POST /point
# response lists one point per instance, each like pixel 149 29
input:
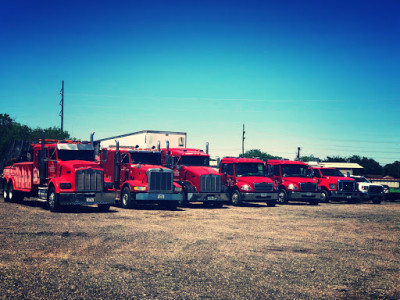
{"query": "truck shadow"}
pixel 64 209
pixel 203 206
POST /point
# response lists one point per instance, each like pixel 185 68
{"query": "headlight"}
pixel 332 186
pixel 365 188
pixel 178 189
pixel 245 187
pixel 65 185
pixel 140 188
pixel 292 187
pixel 108 185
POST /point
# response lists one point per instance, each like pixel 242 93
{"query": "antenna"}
pixel 62 106
pixel 243 141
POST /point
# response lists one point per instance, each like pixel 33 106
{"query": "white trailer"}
pixel 145 139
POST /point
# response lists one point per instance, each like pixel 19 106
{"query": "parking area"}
pixel 334 250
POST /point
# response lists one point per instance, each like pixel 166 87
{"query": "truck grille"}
pixel 346 186
pixel 308 187
pixel 210 184
pixel 89 180
pixel 160 181
pixel 263 187
pixel 375 189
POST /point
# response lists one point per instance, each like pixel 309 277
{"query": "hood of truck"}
pixel 79 164
pixel 335 179
pixel 297 180
pixel 253 179
pixel 199 171
pixel 147 167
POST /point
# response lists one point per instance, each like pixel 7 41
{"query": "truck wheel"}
pixel 184 202
pixel 236 199
pixel 271 203
pixel 282 197
pixel 126 198
pixel 5 192
pixel 53 202
pixel 103 207
pixel 324 196
pixel 13 195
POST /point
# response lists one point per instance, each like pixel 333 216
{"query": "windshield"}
pixel 146 158
pixel 295 171
pixel 331 172
pixel 249 169
pixel 65 155
pixel 360 179
pixel 201 161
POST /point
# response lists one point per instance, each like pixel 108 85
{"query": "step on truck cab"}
pixel 59 173
pixel 139 178
pixel 294 181
pixel 335 186
pixel 192 171
pixel 245 180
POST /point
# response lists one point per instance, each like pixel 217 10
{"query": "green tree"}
pixel 392 169
pixel 308 158
pixel 257 153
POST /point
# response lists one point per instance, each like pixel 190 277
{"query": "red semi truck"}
pixel 335 186
pixel 294 181
pixel 139 178
pixel 191 169
pixel 60 173
pixel 245 181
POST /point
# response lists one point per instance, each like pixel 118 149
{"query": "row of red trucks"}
pixel 70 173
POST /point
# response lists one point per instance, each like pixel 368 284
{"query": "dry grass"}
pixel 293 251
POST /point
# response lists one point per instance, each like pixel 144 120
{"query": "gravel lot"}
pixel 291 251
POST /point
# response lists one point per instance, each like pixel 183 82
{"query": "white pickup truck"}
pixel 368 190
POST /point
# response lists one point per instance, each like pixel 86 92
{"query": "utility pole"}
pixel 243 141
pixel 62 107
pixel 298 153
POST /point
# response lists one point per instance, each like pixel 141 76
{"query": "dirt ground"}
pixel 294 251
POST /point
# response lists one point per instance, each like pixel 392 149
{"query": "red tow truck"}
pixel 191 169
pixel 294 181
pixel 60 173
pixel 246 180
pixel 139 178
pixel 335 186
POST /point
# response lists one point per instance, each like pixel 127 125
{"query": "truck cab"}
pixel 334 185
pixel 245 180
pixel 139 178
pixel 60 173
pixel 294 181
pixel 191 169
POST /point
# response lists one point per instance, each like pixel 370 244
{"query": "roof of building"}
pixel 337 165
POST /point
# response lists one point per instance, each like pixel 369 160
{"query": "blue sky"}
pixel 320 75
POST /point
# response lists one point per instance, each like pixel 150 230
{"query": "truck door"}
pixel 51 162
pixel 276 174
pixel 125 166
pixel 228 175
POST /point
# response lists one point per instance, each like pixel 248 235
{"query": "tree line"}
pixel 12 131
pixel 370 166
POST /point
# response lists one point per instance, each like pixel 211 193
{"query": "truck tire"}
pixel 324 196
pixel 53 201
pixel 13 195
pixel 282 197
pixel 5 192
pixel 103 207
pixel 236 198
pixel 127 200
pixel 184 202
